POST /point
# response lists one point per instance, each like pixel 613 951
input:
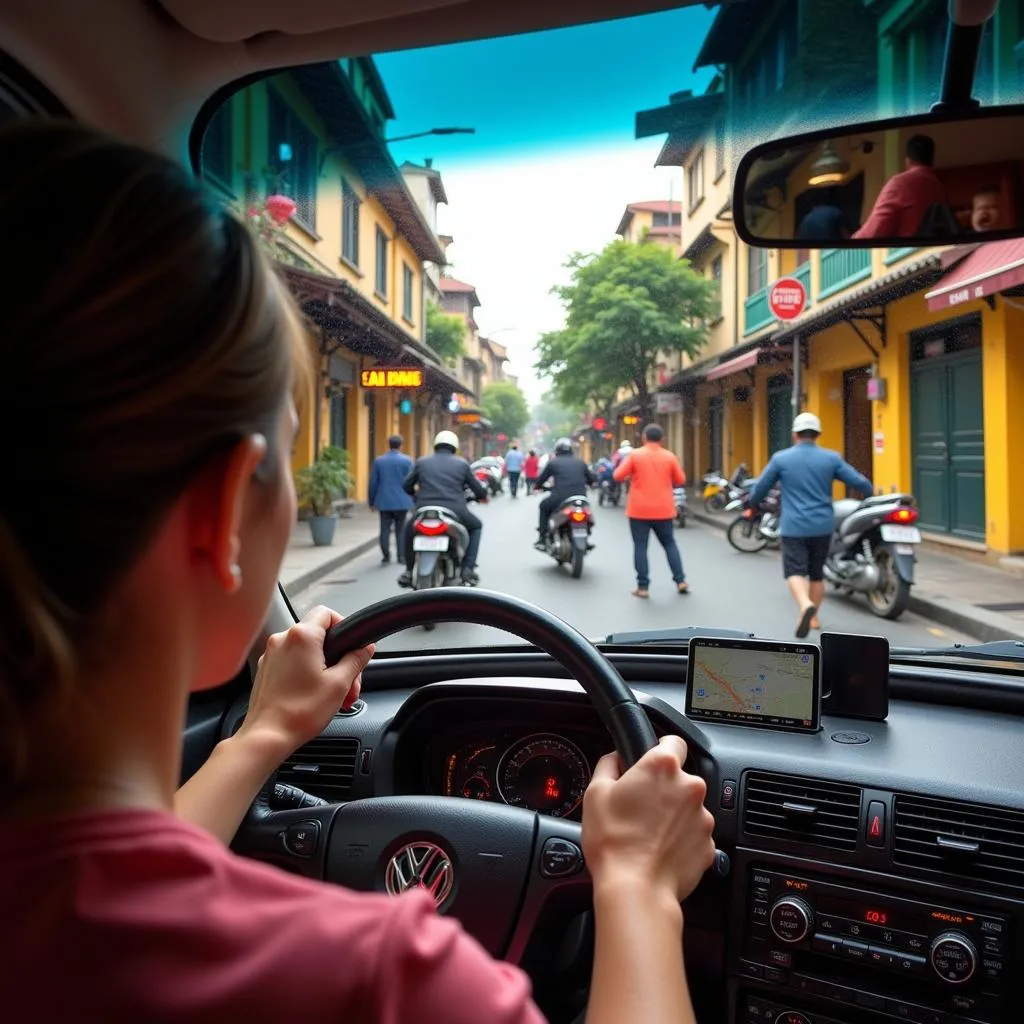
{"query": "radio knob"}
pixel 791 919
pixel 954 958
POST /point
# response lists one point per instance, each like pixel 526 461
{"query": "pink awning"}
pixel 989 269
pixel 731 366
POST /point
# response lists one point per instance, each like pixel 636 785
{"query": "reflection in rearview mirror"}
pixel 929 180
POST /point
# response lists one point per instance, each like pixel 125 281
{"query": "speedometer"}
pixel 544 773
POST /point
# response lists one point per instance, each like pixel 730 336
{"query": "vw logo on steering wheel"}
pixel 420 865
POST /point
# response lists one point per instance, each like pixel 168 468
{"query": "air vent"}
pixel 984 845
pixel 808 812
pixel 324 767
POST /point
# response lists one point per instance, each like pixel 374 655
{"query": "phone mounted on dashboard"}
pixel 762 684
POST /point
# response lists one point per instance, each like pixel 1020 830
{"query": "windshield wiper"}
pixel 675 636
pixel 1006 650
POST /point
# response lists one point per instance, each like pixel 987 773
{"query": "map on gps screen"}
pixel 753 684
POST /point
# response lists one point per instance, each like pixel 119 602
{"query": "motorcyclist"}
pixel 442 479
pixel 569 476
pixel 624 449
pixel 605 467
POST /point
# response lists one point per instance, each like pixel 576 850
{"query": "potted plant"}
pixel 319 486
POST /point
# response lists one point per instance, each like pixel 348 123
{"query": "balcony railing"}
pixel 895 255
pixel 756 311
pixel 841 268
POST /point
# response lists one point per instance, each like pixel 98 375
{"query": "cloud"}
pixel 515 223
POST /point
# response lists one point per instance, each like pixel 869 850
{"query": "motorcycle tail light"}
pixel 748 513
pixel 431 527
pixel 904 516
pixel 578 516
pixel 481 475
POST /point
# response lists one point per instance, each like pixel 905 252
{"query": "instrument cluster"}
pixel 535 769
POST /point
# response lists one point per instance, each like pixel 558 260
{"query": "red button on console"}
pixel 874 827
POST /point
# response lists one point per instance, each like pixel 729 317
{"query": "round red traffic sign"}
pixel 787 298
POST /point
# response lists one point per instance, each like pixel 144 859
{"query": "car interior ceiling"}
pixel 867 879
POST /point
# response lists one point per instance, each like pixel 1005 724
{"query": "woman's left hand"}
pixel 295 694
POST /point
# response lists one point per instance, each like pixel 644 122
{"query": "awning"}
pixel 989 269
pixel 731 366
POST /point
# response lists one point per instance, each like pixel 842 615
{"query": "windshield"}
pixel 526 240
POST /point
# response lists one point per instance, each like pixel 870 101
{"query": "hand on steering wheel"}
pixel 506 862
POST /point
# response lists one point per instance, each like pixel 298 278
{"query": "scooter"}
pixel 682 510
pixel 719 491
pixel 872 551
pixel 609 492
pixel 568 536
pixel 490 476
pixel 439 545
pixel 754 529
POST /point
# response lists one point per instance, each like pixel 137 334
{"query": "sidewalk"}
pixel 304 563
pixel 973 598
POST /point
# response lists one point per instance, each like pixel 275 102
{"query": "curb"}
pixel 965 618
pixel 310 576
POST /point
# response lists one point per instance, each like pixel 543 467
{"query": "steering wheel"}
pixel 492 866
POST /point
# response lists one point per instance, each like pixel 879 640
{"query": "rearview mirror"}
pixel 906 182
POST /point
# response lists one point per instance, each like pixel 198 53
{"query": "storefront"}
pixel 373 379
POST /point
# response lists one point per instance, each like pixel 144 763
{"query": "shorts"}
pixel 805 556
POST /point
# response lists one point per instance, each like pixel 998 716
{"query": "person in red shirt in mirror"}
pixel 158 354
pixel 907 198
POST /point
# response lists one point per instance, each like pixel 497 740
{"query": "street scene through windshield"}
pixel 548 366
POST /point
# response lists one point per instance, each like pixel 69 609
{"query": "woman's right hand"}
pixel 648 825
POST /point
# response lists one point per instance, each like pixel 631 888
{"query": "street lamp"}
pixel 433 131
pixel 325 153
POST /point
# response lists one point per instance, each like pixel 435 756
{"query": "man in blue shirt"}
pixel 514 466
pixel 388 496
pixel 806 473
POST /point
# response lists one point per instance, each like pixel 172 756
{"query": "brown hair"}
pixel 142 335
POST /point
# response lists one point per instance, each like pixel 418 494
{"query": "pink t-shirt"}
pixel 137 916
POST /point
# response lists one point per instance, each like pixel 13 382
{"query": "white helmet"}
pixel 448 437
pixel 806 422
pixel 625 446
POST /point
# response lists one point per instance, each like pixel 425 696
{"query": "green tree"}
pixel 446 333
pixel 505 406
pixel 559 419
pixel 623 306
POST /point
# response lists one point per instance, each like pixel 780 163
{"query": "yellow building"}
pixel 353 252
pixel 911 372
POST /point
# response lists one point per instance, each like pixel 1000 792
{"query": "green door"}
pixel 780 414
pixel 948 439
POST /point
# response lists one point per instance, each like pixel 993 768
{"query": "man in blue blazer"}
pixel 388 497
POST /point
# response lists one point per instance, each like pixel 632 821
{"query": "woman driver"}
pixel 148 360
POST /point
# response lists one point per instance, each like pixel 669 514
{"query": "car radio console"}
pixel 878 954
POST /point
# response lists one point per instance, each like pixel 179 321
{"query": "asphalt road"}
pixel 727 589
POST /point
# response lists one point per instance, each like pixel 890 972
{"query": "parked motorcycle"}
pixel 569 529
pixel 439 545
pixel 721 491
pixel 872 551
pixel 682 510
pixel 489 472
pixel 754 529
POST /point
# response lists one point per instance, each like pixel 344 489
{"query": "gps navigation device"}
pixel 760 683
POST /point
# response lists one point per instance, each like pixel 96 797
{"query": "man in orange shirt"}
pixel 653 473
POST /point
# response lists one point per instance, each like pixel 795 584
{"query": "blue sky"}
pixel 539 91
pixel 553 162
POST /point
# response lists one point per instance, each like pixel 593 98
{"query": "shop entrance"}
pixel 948 429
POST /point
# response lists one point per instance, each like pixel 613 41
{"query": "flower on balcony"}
pixel 266 221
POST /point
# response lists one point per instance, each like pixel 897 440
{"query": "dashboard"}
pixel 540 767
pixel 877 867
